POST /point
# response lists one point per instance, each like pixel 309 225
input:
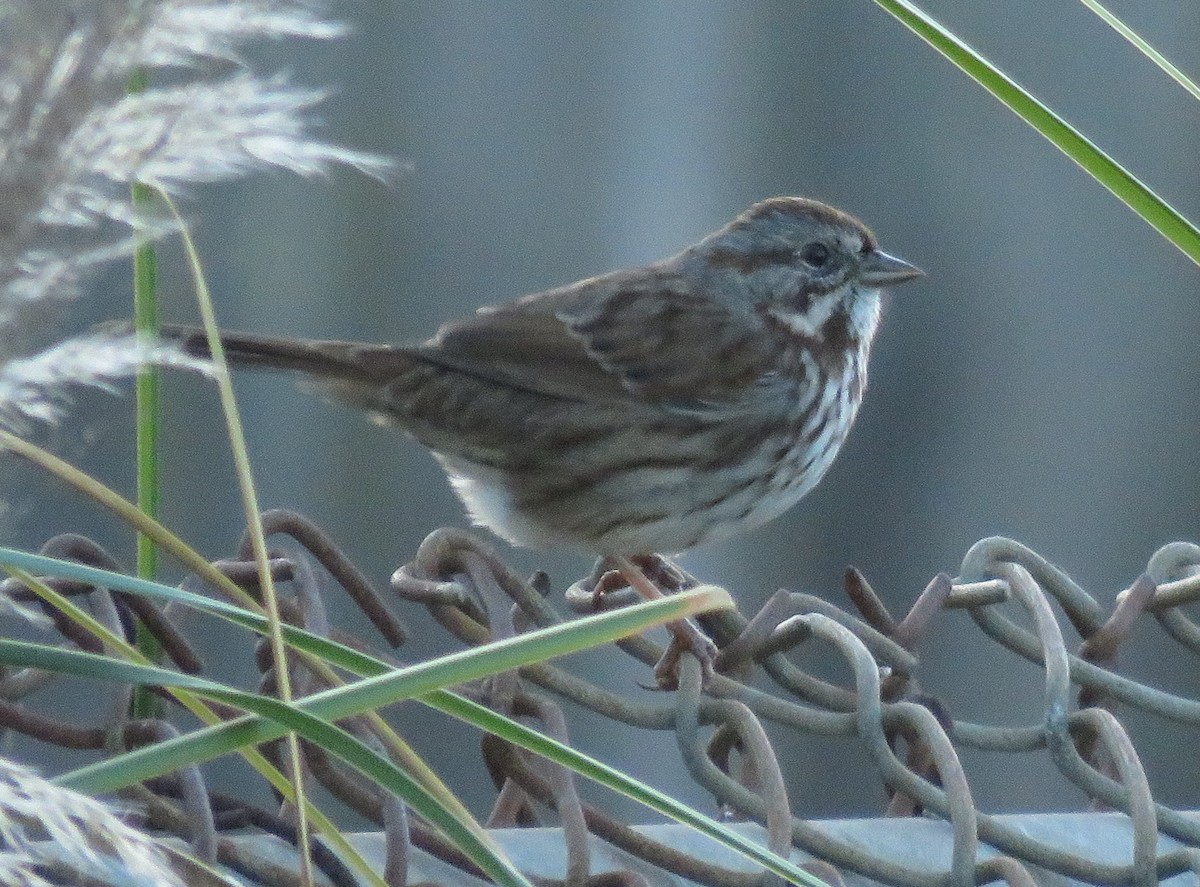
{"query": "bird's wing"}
pixel 640 337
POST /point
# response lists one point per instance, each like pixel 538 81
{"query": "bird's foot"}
pixel 685 636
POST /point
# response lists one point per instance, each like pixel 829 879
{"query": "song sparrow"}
pixel 647 410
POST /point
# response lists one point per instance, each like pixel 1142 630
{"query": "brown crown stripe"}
pixel 802 207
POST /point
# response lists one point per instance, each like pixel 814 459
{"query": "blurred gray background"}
pixel 1040 383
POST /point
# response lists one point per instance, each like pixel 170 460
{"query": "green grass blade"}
pixel 274 719
pixel 250 507
pixel 467 665
pixel 368 694
pixel 392 688
pixel 118 649
pixel 1145 48
pixel 148 386
pixel 1104 169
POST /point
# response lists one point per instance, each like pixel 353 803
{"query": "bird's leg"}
pixel 605 581
pixel 685 636
pixel 666 575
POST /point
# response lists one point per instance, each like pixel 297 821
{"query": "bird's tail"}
pixel 348 361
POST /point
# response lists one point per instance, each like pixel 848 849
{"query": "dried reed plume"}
pixel 45 829
pixel 73 141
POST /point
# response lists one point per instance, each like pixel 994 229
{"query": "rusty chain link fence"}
pixel 1018 600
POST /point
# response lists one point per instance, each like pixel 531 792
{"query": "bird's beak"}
pixel 880 269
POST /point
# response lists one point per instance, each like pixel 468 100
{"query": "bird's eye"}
pixel 815 255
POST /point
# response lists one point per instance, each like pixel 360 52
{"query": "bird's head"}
pixel 810 269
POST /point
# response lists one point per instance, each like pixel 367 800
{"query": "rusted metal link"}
pixel 245 572
pixel 1081 608
pixel 235 814
pixel 1174 568
pixel 353 581
pixel 397 842
pixel 1004 868
pixel 440 558
pixel 1130 692
pixel 562 785
pixel 692 713
pixel 920 757
pixel 1101 649
pixel 367 799
pixel 514 767
pixel 192 792
pixel 70 546
pixel 18 683
pixel 239 815
pixel 911 737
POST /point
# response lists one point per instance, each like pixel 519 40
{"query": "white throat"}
pixel 864 308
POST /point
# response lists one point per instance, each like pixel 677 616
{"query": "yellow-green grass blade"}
pixel 455 706
pixel 456 668
pixel 278 718
pixel 119 647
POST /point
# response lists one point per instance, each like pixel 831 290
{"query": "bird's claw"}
pixel 685 638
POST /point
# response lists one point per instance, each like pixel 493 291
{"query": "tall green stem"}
pixel 145 318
